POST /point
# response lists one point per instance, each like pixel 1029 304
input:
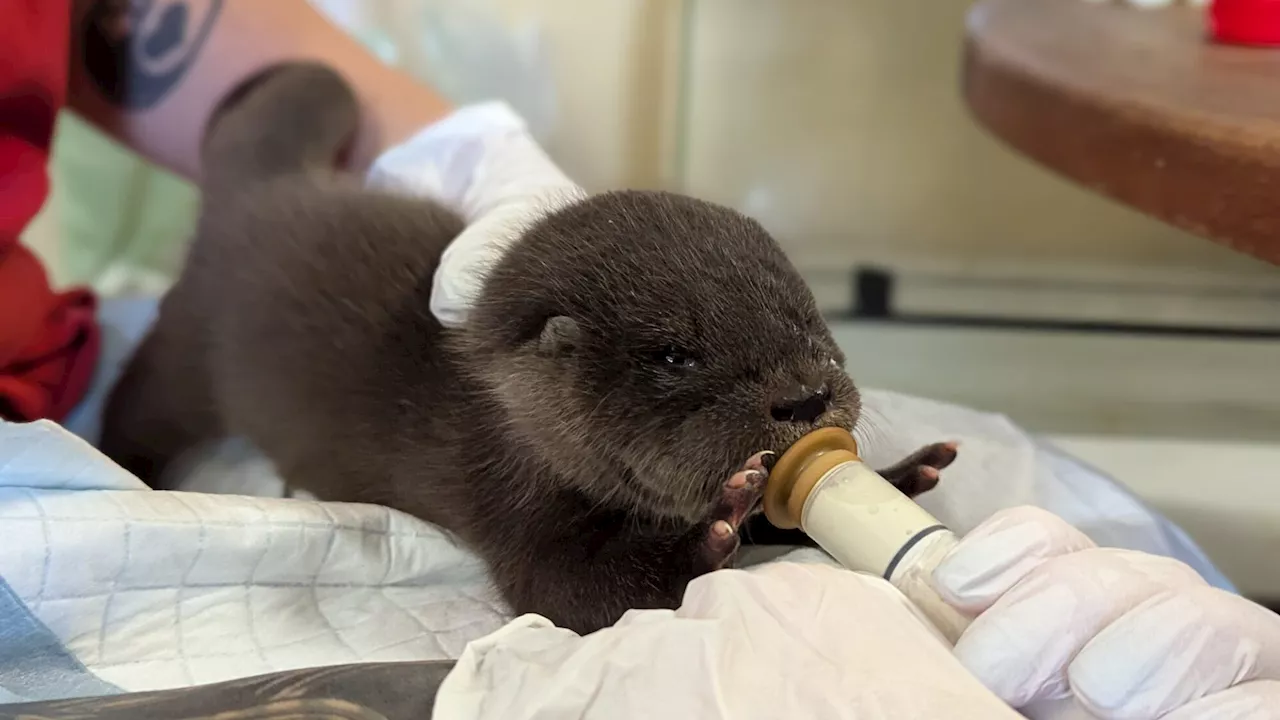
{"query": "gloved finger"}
pixel 1067 708
pixel 1173 649
pixel 1021 647
pixel 1258 700
pixel 1000 552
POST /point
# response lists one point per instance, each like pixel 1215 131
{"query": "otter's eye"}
pixel 674 357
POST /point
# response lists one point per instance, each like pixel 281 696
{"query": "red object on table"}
pixel 1245 22
pixel 48 339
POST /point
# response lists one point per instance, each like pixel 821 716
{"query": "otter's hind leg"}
pixel 163 403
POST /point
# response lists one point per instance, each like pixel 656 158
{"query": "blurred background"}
pixel 950 267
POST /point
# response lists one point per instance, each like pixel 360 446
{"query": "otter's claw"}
pixel 919 473
pixel 738 497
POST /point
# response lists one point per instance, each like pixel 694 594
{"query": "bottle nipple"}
pixel 800 468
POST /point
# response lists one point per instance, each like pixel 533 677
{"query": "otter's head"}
pixel 646 344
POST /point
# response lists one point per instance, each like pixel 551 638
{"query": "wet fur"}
pixel 550 434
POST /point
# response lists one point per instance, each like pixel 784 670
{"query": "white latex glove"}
pixel 1066 627
pixel 781 640
pixel 482 162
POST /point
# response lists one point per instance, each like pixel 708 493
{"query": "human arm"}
pixel 152 72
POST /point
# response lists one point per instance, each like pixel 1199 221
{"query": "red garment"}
pixel 48 340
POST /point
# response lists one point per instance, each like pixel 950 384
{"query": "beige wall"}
pixel 616 70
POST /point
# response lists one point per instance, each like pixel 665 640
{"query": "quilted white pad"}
pixel 154 590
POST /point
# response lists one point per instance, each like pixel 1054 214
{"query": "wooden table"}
pixel 1138 105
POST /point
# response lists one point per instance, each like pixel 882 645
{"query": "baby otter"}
pixel 584 432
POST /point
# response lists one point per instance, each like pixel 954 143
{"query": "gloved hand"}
pixel 1065 626
pixel 781 640
pixel 481 162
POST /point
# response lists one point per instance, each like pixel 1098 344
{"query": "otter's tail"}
pixel 289 119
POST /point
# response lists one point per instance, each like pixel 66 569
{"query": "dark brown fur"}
pixel 624 359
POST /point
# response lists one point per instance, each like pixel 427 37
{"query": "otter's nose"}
pixel 801 405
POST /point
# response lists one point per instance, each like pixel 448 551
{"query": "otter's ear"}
pixel 559 337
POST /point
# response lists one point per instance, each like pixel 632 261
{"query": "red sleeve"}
pixel 48 340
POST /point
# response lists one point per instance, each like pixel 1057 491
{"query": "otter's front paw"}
pixel 919 473
pixel 738 497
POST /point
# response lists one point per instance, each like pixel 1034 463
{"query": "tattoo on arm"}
pixel 137 51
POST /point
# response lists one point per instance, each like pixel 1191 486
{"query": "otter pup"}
pixel 585 432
